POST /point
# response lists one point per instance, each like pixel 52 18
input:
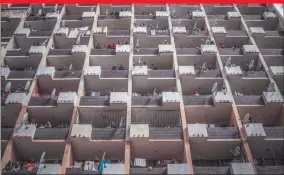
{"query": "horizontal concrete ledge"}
pixel 224 140
pixel 49 141
pixel 165 140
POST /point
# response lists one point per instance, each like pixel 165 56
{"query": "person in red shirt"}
pixel 113 46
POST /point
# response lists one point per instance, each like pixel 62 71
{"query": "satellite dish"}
pixel 78 39
pixel 70 68
pixel 179 22
pixel 271 87
pixel 137 42
pixel 25 119
pixel 157 25
pixel 203 67
pixel 63 23
pixel 214 88
pixel 106 11
pixel 228 61
pixel 41 160
pixel 237 151
pixel 39 13
pixel 251 64
pixel 173 11
pixel 52 95
pixel 8 87
pixel 27 86
pixel 43 43
pixel 246 118
pixel 92 9
pixel 55 8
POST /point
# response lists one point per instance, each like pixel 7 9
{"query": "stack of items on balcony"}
pixel 21 166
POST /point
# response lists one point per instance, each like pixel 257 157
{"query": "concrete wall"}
pixel 242 61
pixel 231 41
pixel 274 60
pixel 245 10
pixel 25 149
pixel 139 8
pixel 87 150
pixel 187 41
pixel 80 23
pixel 46 25
pixel 157 150
pixel 102 39
pixel 270 42
pixel 228 24
pixel 142 85
pixel 267 115
pixel 219 114
pixel 269 149
pixel 265 24
pixel 107 62
pixel 26 43
pixel 162 23
pixel 211 10
pixel 72 9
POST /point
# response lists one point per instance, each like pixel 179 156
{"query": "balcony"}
pixel 118 33
pixel 17 53
pixel 146 51
pixel 51 133
pixel 42 101
pixel 21 74
pixel 275 132
pixel 188 51
pixel 114 74
pixel 165 133
pixel 210 74
pixel 248 100
pixel 234 33
pixel 223 133
pixel 67 74
pixel 270 169
pixel 103 52
pixel 40 33
pixel 146 101
pixel 253 17
pixel 218 17
pixel 6 133
pixel 199 33
pixel 256 74
pixel 272 51
pixel 59 52
pixel 145 17
pixel 274 33
pixel 230 51
pixel 108 134
pixel 102 17
pixel 94 101
pixel 198 100
pixel 211 170
pixel 161 73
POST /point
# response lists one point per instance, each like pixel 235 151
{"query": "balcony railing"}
pixel 108 133
pixel 72 17
pixel 194 33
pixel 146 51
pixel 223 133
pixel 144 16
pixel 17 53
pixel 118 33
pixel 114 74
pixel 162 170
pixel 59 52
pixel 161 73
pixel 102 52
pixel 75 171
pixel 51 133
pixel 230 51
pixel 94 101
pixel 236 33
pixel 146 101
pixel 6 133
pixel 272 51
pixel 102 17
pixel 274 132
pixel 198 100
pixel 40 33
pixel 218 17
pixel 67 74
pixel 42 101
pixel 188 51
pixel 158 32
pixel 165 133
pixel 274 33
pixel 209 73
pixel 211 170
pixel 22 74
pixel 253 17
pixel 258 74
pixel 269 169
pixel 249 100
